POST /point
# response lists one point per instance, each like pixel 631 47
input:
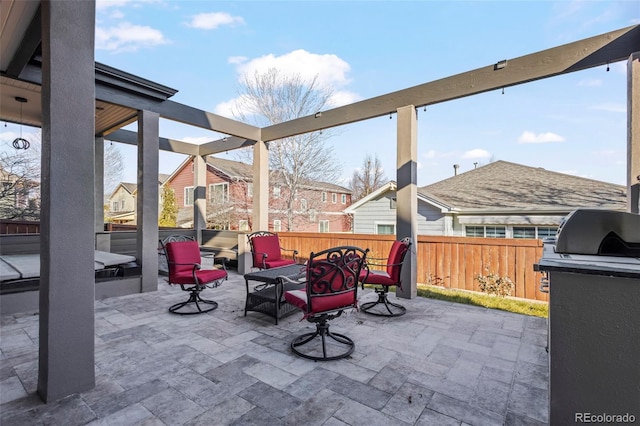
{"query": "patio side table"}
pixel 268 296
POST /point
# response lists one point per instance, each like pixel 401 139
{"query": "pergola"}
pixel 48 58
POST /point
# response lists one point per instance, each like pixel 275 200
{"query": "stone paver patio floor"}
pixel 440 364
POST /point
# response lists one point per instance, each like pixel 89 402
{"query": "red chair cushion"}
pixel 205 276
pixel 396 255
pixel 297 298
pixel 376 277
pixel 269 244
pixel 278 263
pixel 182 256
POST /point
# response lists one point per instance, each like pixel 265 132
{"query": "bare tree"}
pixel 367 179
pixel 274 97
pixel 113 167
pixel 20 181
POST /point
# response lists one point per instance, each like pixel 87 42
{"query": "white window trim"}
pixel 383 222
pixel 243 223
pixel 321 222
pixel 186 197
pixel 343 198
pixel 277 225
pixel 225 196
pixel 334 198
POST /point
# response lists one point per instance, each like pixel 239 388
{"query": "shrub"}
pixel 492 283
pixel 433 279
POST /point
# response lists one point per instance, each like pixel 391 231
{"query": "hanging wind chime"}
pixel 21 143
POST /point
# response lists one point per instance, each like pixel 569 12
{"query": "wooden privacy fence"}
pixel 452 262
pixel 18 227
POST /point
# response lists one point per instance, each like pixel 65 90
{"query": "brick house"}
pixel 317 207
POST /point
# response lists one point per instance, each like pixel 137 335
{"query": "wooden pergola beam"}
pixel 591 52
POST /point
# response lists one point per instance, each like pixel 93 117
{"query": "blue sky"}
pixel 574 124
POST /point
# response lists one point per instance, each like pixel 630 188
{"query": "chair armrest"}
pixel 295 253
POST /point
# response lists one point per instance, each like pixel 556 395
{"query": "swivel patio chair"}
pixel 331 288
pixel 183 259
pixel 266 251
pixel 383 279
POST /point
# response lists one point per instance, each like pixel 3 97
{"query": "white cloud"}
pixel 127 37
pixel 476 153
pixel 590 82
pixel 330 69
pixel 342 97
pixel 106 4
pixel 430 154
pixel 547 137
pixel 211 21
pixel 610 107
pixel 237 59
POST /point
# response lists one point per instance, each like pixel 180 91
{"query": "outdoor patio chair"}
pixel 383 279
pixel 183 260
pixel 266 251
pixel 331 288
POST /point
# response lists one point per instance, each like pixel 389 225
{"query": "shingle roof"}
pixel 233 169
pixel 505 185
pixel 131 187
pixel 239 170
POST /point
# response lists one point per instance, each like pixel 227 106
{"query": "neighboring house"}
pixel 500 199
pixel 122 201
pixel 318 206
pixel 19 196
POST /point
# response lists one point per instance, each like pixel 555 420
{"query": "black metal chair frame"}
pixel 393 309
pixel 252 235
pixel 193 289
pixel 321 319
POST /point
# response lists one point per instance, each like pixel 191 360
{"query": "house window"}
pixel 534 232
pixel 114 206
pixel 392 203
pixel 219 193
pixel 277 225
pixel 324 197
pixel 188 195
pixel 486 231
pixel 524 232
pixel 385 228
pixel 334 198
pixel 243 225
pixel 495 231
pixel 303 204
pixel 323 226
pixel 312 215
pixel 121 205
pixel 547 231
pixel 343 199
pixel 276 192
pixel 250 189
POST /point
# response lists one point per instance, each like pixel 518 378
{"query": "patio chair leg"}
pixel 195 298
pixel 383 299
pixel 322 330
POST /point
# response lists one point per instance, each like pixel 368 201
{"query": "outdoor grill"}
pixel 592 273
